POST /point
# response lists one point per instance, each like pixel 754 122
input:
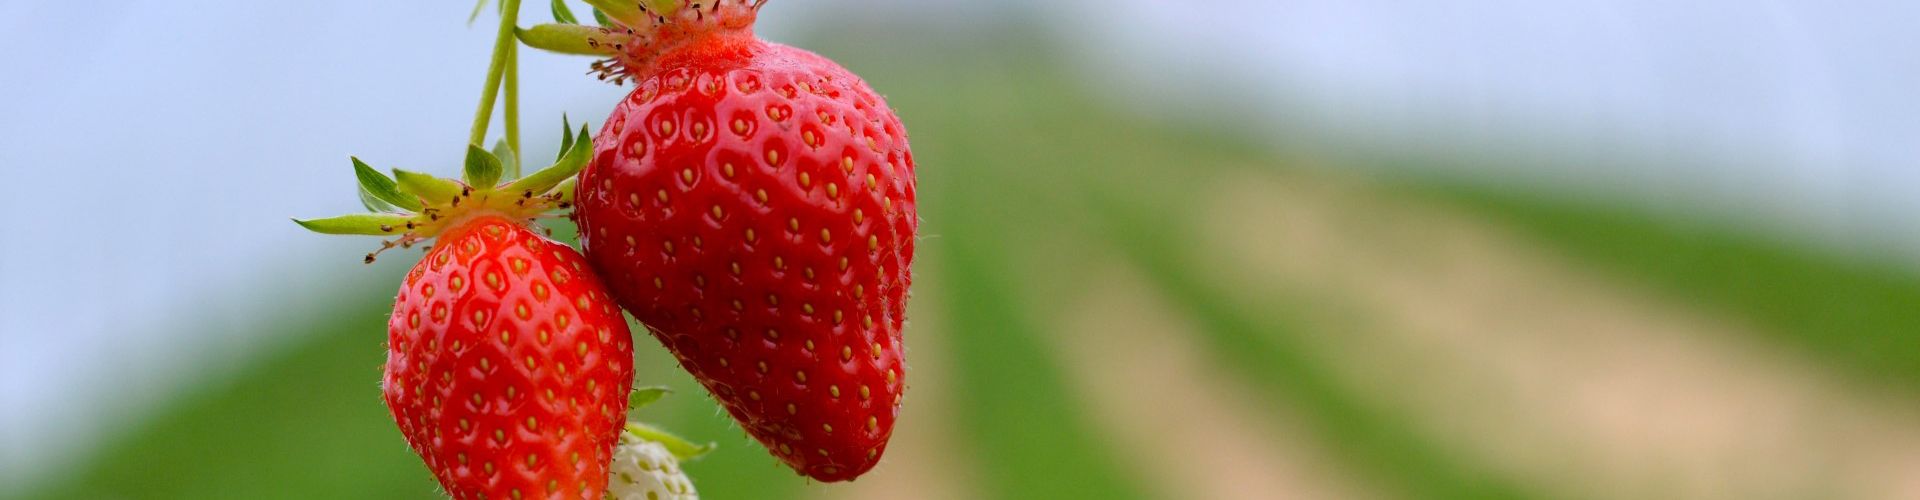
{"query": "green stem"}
pixel 513 108
pixel 502 50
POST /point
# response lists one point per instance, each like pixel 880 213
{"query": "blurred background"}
pixel 1236 249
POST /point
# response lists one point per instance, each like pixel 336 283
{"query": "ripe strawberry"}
pixel 753 205
pixel 508 364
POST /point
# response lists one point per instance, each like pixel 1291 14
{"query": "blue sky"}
pixel 155 152
pixel 154 148
pixel 1797 112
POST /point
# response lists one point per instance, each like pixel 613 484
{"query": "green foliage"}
pixel 305 422
pixel 509 161
pixel 678 446
pixel 562 14
pixel 432 189
pixel 643 396
pixel 570 39
pixel 482 168
pixel 573 158
pixel 628 12
pixel 566 137
pixel 475 16
pixel 1263 349
pixel 358 224
pixel 1859 316
pixel 382 188
pixel 1036 443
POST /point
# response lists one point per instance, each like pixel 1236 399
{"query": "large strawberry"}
pixel 753 205
pixel 508 364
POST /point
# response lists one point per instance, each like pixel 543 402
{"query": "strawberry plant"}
pixel 752 204
pixel 509 365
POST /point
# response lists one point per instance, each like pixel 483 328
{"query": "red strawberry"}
pixel 508 364
pixel 753 205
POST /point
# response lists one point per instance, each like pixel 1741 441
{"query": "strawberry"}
pixel 647 469
pixel 508 363
pixel 753 205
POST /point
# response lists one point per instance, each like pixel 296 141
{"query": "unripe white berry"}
pixel 645 470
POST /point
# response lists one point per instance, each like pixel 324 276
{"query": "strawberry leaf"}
pixel 643 396
pixel 380 187
pixel 566 189
pixel 508 160
pixel 566 137
pixel 571 39
pixel 483 169
pixel 561 14
pixel 626 12
pixel 476 12
pixel 662 7
pixel 613 13
pixel 570 164
pixel 433 190
pixel 375 204
pixel 362 224
pixel 678 446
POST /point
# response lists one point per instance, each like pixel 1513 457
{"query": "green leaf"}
pixel 662 7
pixel 363 224
pixel 630 12
pixel 561 14
pixel 476 12
pixel 563 38
pixel 433 190
pixel 508 160
pixel 375 204
pixel 575 159
pixel 483 169
pixel 678 446
pixel 379 186
pixel 566 138
pixel 643 396
pixel 567 189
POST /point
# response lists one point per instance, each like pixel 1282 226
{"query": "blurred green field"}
pixel 1028 186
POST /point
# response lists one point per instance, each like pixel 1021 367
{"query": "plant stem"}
pixel 513 108
pixel 502 51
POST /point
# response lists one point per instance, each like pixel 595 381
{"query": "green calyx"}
pixel 643 396
pixel 630 33
pixel 414 207
pixel 680 447
pixel 629 12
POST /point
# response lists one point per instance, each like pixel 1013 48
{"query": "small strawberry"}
pixel 753 205
pixel 508 364
pixel 645 468
pixel 646 465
